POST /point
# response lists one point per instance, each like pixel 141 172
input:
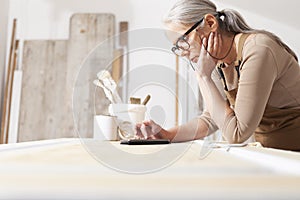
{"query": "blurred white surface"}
pixel 63 169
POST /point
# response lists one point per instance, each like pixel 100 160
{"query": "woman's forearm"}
pixel 216 105
pixel 194 129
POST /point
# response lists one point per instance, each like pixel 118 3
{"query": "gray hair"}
pixel 188 12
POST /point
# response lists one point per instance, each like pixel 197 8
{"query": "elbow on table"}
pixel 235 132
pixel 236 138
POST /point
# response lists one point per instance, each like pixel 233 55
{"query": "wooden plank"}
pixel 88 31
pixel 8 82
pixel 123 42
pixel 14 66
pixel 54 78
pixel 117 65
pixel 123 33
pixel 43 94
pixel 117 69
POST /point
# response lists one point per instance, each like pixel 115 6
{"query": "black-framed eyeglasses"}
pixel 182 44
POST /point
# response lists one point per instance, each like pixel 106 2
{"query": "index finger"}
pixel 210 47
pixel 146 130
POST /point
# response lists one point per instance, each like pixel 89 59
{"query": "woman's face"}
pixel 194 39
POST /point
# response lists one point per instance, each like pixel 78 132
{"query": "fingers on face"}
pixel 204 43
pixel 210 47
pixel 216 44
pixel 219 43
pixel 212 44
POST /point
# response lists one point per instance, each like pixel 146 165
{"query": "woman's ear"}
pixel 211 22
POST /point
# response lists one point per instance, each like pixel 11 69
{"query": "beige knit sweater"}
pixel 267 101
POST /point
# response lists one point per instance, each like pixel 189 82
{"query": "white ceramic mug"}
pixel 128 116
pixel 105 127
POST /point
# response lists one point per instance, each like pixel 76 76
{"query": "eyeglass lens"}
pixel 182 45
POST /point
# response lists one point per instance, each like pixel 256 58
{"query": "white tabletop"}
pixel 72 169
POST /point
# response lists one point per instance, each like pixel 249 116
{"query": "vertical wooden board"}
pixel 43 94
pixel 117 65
pixel 50 70
pixel 88 32
pixel 117 68
pixel 123 42
pixel 8 83
pixel 123 34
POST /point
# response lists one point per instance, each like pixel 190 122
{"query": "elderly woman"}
pixel 259 73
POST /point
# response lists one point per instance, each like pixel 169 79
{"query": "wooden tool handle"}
pixel 146 99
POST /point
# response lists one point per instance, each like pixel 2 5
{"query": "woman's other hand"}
pixel 210 47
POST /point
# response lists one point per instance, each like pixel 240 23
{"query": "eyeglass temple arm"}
pixel 192 28
pixel 197 24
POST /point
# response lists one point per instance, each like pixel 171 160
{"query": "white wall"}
pixel 44 19
pixel 49 19
pixel 279 17
pixel 3 44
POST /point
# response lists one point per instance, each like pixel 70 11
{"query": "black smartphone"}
pixel 145 141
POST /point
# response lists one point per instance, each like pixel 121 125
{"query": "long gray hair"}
pixel 188 12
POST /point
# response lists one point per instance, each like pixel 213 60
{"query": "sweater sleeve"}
pixel 258 73
pixel 212 127
pixel 205 116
